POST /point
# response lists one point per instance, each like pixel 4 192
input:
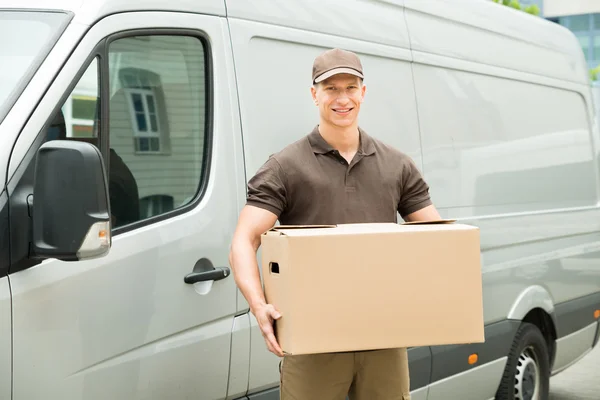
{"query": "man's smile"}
pixel 343 111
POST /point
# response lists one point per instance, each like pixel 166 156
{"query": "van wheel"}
pixel 527 372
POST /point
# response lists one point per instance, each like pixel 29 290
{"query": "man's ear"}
pixel 363 90
pixel 313 92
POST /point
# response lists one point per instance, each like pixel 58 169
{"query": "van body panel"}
pixel 127 325
pixel 90 11
pixel 531 298
pixel 272 394
pixel 5 340
pixel 574 315
pixel 449 361
pixel 566 266
pixel 476 384
pixel 419 359
pixel 520 146
pixel 264 365
pixel 486 33
pixel 239 366
pixel 420 394
pixel 381 21
pixel 574 346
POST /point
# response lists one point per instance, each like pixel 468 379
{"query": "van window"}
pixel 157 123
pixel 78 117
pixel 26 37
pixel 156 130
pixel 81 110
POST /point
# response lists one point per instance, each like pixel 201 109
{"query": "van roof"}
pixel 89 11
pixel 535 45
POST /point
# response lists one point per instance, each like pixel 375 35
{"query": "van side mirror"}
pixel 71 216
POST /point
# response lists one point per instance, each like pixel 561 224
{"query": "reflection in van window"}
pixel 79 119
pixel 157 118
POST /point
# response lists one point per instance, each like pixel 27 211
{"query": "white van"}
pixel 128 131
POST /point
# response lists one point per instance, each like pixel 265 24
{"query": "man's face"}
pixel 339 99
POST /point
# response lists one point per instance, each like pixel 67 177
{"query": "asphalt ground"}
pixel 579 382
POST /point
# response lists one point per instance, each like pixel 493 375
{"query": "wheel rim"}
pixel 527 378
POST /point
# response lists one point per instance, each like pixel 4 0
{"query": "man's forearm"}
pixel 242 259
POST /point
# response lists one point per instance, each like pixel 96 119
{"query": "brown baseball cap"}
pixel 336 61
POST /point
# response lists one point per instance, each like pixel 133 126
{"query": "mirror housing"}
pixel 71 215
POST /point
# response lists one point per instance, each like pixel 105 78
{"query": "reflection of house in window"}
pixel 148 115
pixel 155 205
pixel 83 113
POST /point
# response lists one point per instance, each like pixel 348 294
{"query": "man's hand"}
pixel 252 223
pixel 265 316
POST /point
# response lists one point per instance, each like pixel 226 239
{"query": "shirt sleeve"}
pixel 414 191
pixel 267 188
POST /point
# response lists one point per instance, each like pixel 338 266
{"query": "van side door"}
pixel 152 90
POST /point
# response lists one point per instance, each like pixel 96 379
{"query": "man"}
pixel 336 174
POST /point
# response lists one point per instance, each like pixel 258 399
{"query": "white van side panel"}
pixel 90 11
pixel 491 34
pixel 499 142
pixel 5 340
pixel 376 21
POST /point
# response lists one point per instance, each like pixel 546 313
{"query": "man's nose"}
pixel 343 98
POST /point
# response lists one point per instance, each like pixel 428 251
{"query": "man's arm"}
pixel 252 223
pixel 428 213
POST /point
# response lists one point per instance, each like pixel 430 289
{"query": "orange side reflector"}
pixel 597 314
pixel 102 234
pixel 473 359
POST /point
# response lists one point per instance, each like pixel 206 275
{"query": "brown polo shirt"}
pixel 308 182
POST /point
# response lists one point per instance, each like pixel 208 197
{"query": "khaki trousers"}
pixel 364 375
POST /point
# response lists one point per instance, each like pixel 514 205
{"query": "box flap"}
pixel 286 229
pixel 437 221
pixel 360 228
pixel 278 227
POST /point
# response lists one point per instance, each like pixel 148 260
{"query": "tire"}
pixel 527 372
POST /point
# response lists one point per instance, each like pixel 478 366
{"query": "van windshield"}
pixel 26 37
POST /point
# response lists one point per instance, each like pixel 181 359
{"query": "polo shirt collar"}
pixel 320 146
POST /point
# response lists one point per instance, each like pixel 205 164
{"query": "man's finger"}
pixel 269 347
pixel 275 345
pixel 274 313
pixel 272 349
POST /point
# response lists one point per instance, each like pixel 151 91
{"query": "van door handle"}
pixel 213 275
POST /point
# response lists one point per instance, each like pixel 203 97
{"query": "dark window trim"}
pixel 208 120
pixel 4 233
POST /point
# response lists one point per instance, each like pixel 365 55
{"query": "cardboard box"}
pixel 359 287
